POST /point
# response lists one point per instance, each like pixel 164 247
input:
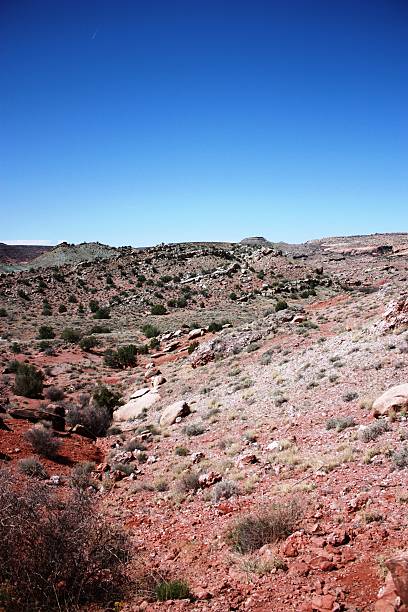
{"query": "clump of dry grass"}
pixel 271 525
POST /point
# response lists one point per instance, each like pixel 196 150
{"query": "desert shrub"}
pixel 401 457
pixel 80 475
pixel 70 335
pixel 43 441
pixel 57 554
pixel 195 429
pixel 29 381
pixel 135 444
pixel 102 313
pixel 30 466
pixel 96 419
pixel 72 299
pixel 214 327
pixel 281 305
pixel 181 451
pixel 13 366
pixel 124 356
pixel 3 312
pixel 106 398
pixel 340 423
pixel 150 331
pixel 44 345
pixel 172 589
pixel 192 347
pixel 22 294
pixel 375 430
pixel 233 296
pixel 188 482
pixel 349 396
pixel 54 394
pixel 253 531
pixel 93 305
pixel 158 309
pixel 15 348
pixel 46 333
pixel 154 343
pixel 99 329
pixel 88 343
pixel 62 308
pixel 224 490
pixel 47 310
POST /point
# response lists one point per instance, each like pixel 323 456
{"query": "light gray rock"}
pixel 135 408
pixel 177 410
pixel 395 398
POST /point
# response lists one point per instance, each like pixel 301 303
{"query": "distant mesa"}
pixel 255 240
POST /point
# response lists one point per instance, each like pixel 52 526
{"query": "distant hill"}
pixel 256 241
pixel 21 253
pixel 65 253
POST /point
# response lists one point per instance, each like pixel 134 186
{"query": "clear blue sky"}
pixel 141 121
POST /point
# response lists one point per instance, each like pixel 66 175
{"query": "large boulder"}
pixel 394 594
pixel 174 411
pixel 395 398
pixel 136 407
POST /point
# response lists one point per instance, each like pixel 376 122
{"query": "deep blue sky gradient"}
pixel 137 122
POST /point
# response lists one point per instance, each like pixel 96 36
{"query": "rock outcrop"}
pixel 396 398
pixel 173 412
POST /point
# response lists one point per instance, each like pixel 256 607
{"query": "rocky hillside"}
pixel 16 253
pixel 238 411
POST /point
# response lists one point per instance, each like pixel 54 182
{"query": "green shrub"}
pixel 150 331
pixel 43 441
pixel 72 299
pixel 106 398
pixel 215 327
pixel 62 308
pixel 88 343
pixel 29 381
pixel 3 312
pixel 158 309
pixel 46 333
pixel 15 348
pixel 192 347
pixel 47 310
pixel 172 589
pixel 22 294
pixel 70 335
pixel 102 313
pixel 233 296
pixel 281 305
pixel 124 357
pixel 93 305
pixel 154 343
pixel 99 329
pixel 96 419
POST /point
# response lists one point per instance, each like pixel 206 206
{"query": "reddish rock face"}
pixel 398 567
